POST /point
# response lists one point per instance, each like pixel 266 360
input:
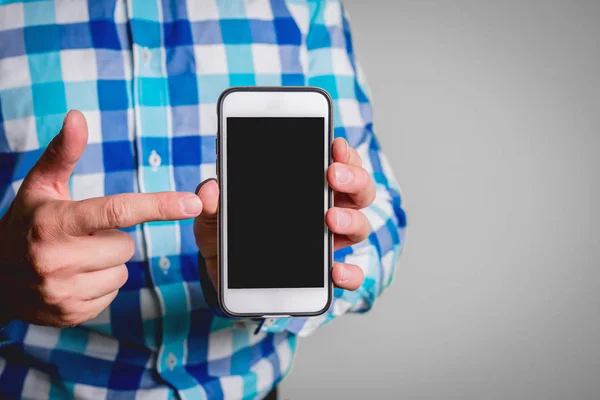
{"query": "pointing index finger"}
pixel 126 210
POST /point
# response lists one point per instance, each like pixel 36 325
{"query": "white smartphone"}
pixel 275 250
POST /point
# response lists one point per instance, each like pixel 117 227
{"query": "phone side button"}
pixel 217 161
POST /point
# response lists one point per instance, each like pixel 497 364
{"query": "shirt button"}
pixel 171 361
pixel 164 264
pixel 154 160
pixel 146 55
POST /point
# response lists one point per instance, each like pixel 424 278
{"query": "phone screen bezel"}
pixel 272 102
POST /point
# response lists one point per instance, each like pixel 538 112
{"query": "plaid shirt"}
pixel 147 74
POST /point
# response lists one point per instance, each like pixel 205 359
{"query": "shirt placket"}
pixel 155 174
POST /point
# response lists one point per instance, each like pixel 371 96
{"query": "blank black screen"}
pixel 275 208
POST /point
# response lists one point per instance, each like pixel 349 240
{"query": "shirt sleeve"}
pixel 332 65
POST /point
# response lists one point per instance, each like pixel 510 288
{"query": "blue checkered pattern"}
pixel 147 74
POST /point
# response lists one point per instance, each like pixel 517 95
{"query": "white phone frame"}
pixel 273 102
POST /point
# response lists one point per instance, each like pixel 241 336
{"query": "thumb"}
pixel 205 225
pixel 205 230
pixel 56 164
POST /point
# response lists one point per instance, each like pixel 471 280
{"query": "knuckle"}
pixel 366 223
pixel 42 225
pixel 38 261
pixel 365 234
pixel 118 212
pixel 367 186
pixel 43 272
pixel 68 310
pixel 53 295
pixel 162 208
pixel 371 198
pixel 354 156
pixel 359 160
pixel 361 276
pixel 364 178
pixel 69 217
pixel 365 227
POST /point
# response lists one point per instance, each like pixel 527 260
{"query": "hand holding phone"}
pixel 282 264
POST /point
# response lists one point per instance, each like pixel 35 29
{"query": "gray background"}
pixel 490 114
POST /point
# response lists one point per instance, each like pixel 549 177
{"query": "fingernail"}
pixel 191 205
pixel 343 218
pixel 344 275
pixel 342 174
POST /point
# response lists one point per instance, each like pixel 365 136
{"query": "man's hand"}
pixel 354 190
pixel 62 262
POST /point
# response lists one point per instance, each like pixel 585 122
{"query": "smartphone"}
pixel 275 250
